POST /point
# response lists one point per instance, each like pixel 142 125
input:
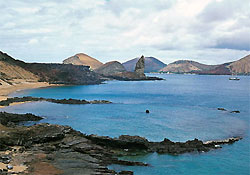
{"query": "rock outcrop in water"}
pixel 115 70
pixel 8 101
pixel 139 67
pixel 151 64
pixel 8 119
pixel 55 149
pixel 136 143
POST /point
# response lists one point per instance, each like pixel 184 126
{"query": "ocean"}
pixel 182 107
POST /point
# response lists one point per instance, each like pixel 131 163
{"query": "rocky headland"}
pixel 9 101
pixel 54 149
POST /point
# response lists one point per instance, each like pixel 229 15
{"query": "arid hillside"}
pixel 241 66
pixel 111 68
pixel 83 59
pixel 10 70
pixel 186 66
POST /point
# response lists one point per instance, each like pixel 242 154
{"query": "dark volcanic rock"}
pixel 139 67
pixel 221 109
pixel 139 143
pixel 63 73
pixel 151 64
pixel 126 173
pixel 65 151
pixel 235 112
pixel 132 76
pixel 8 101
pixel 115 70
pixel 6 118
pixel 62 147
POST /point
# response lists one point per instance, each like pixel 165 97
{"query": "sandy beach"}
pixel 19 84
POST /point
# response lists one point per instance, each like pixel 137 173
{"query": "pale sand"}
pixel 16 168
pixel 19 84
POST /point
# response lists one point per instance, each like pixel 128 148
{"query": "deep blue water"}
pixel 182 107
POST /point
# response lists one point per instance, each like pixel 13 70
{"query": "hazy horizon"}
pixel 208 31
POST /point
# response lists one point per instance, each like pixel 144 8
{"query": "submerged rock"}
pixel 235 112
pixel 221 109
pixel 126 173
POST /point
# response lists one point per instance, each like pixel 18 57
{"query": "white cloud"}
pixel 211 31
pixel 33 41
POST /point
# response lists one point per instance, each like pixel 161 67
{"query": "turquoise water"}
pixel 182 107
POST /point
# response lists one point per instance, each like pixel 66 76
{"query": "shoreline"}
pixel 7 89
pixel 49 144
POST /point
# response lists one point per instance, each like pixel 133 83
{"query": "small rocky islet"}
pixel 66 151
pixel 9 101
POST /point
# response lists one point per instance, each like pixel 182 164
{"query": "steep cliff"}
pixel 140 66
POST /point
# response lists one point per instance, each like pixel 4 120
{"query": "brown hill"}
pixel 221 69
pixel 241 66
pixel 110 68
pixel 187 66
pixel 10 70
pixel 83 59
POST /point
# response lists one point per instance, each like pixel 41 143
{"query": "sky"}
pixel 208 31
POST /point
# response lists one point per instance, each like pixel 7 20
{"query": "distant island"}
pixel 240 67
pixel 152 64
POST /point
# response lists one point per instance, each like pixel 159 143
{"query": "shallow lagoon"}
pixel 182 107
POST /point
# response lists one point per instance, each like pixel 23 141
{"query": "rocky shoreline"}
pixel 9 101
pixel 55 149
